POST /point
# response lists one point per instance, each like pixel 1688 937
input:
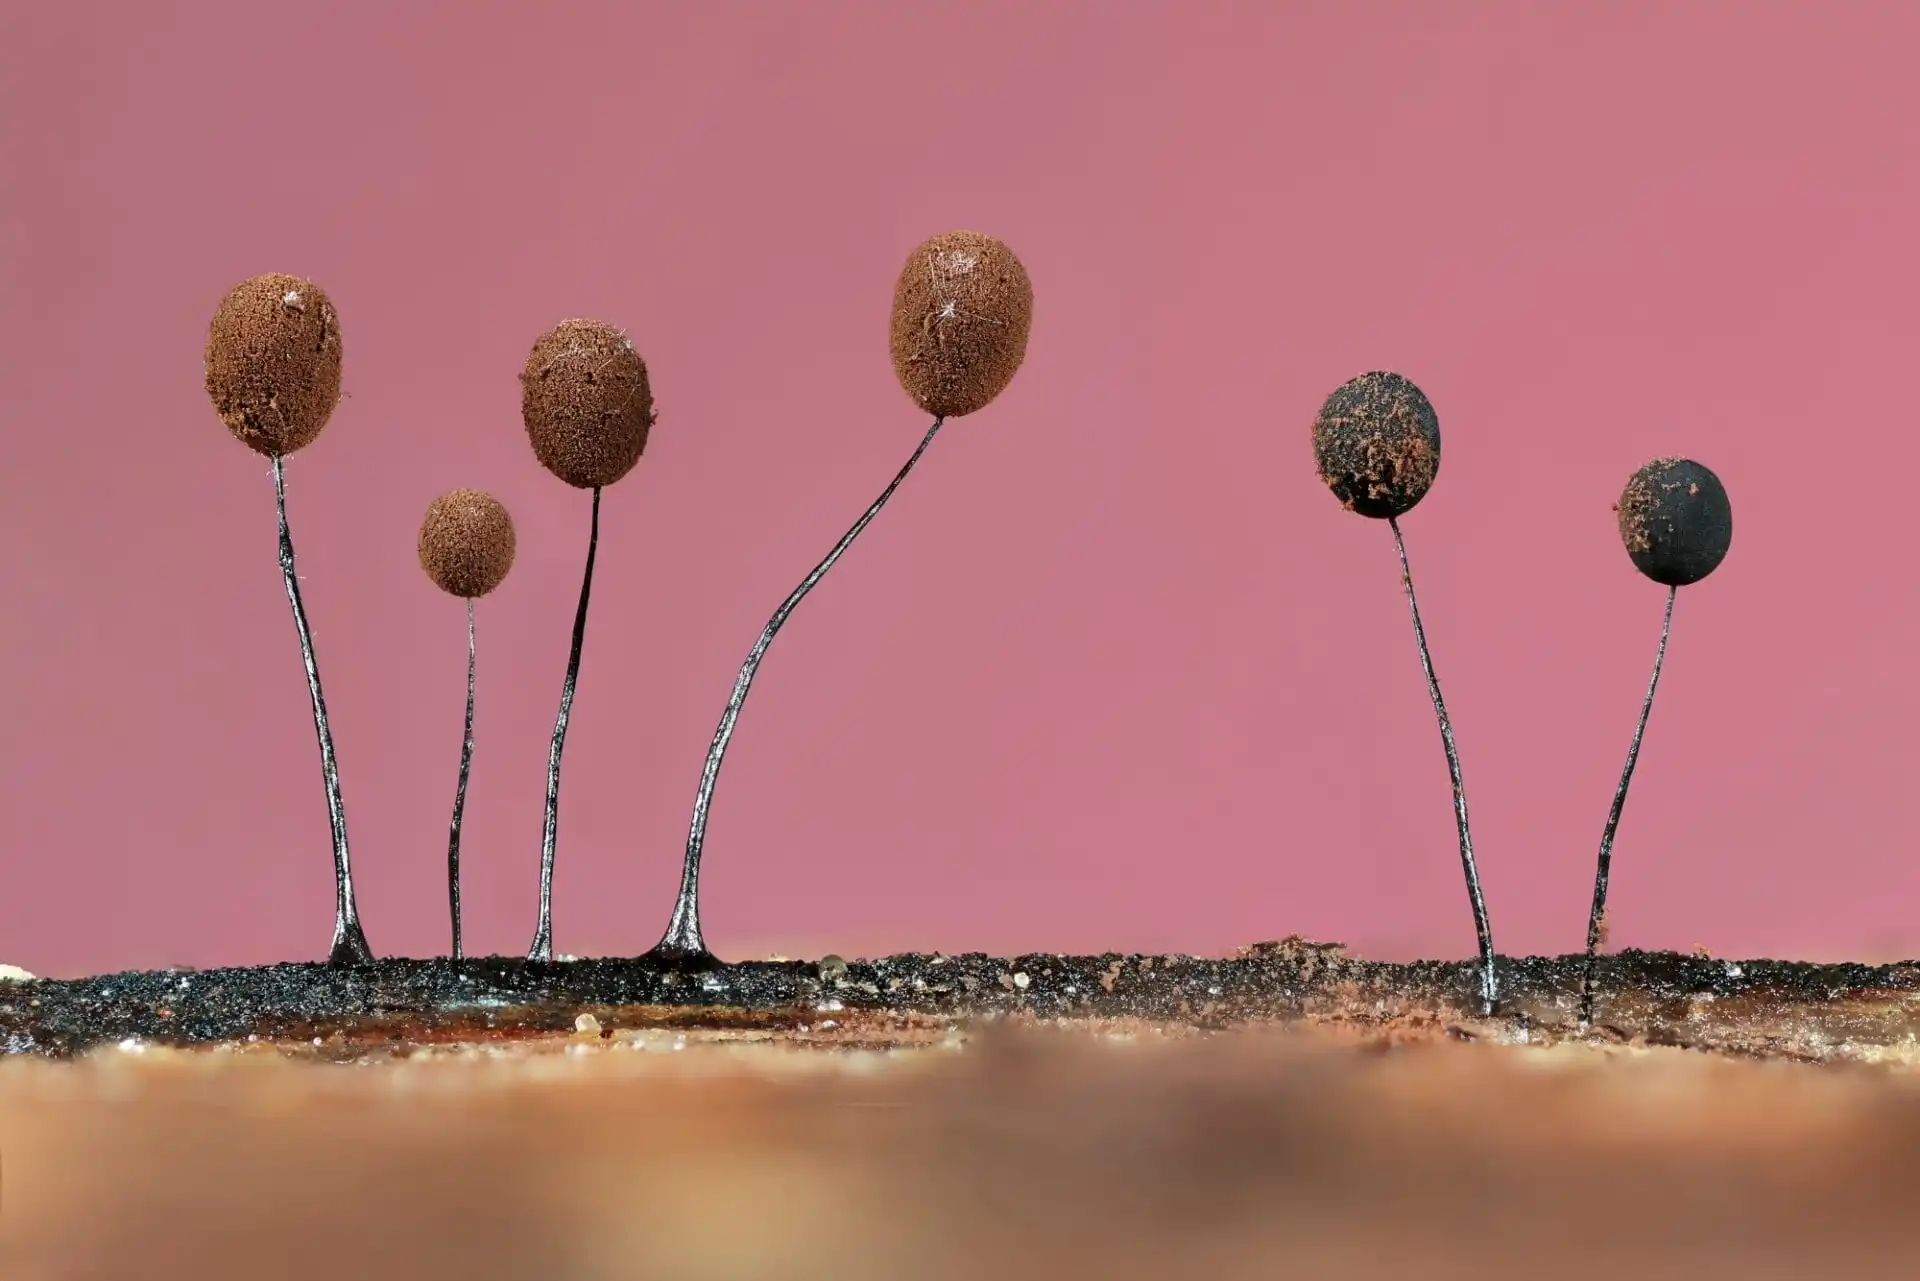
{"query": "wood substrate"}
pixel 1290 1111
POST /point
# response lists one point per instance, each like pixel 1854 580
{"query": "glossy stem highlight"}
pixel 542 949
pixel 1489 984
pixel 460 798
pixel 683 940
pixel 349 945
pixel 1596 920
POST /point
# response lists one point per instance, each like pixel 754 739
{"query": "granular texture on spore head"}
pixel 273 362
pixel 1376 442
pixel 466 542
pixel 587 403
pixel 1675 521
pixel 962 309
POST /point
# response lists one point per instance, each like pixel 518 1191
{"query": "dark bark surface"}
pixel 1753 1008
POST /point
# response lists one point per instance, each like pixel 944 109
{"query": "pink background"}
pixel 1114 671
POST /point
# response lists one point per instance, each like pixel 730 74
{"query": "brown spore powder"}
pixel 273 362
pixel 587 403
pixel 1376 443
pixel 466 542
pixel 962 310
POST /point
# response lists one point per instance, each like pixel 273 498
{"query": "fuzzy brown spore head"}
pixel 1376 442
pixel 1675 521
pixel 962 309
pixel 273 362
pixel 587 403
pixel 466 542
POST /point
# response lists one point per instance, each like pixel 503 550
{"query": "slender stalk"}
pixel 1489 984
pixel 683 940
pixel 349 940
pixel 460 797
pixel 542 949
pixel 1598 916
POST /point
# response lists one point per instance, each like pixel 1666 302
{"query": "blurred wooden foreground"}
pixel 1023 1154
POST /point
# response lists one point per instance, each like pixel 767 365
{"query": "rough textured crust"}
pixel 1376 442
pixel 273 362
pixel 962 309
pixel 466 542
pixel 587 403
pixel 1755 1009
pixel 1675 521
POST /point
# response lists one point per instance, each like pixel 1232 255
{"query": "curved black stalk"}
pixel 460 797
pixel 1597 919
pixel 1489 985
pixel 542 949
pixel 349 940
pixel 683 941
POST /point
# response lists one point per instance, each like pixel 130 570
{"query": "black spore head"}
pixel 1377 444
pixel 1675 520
